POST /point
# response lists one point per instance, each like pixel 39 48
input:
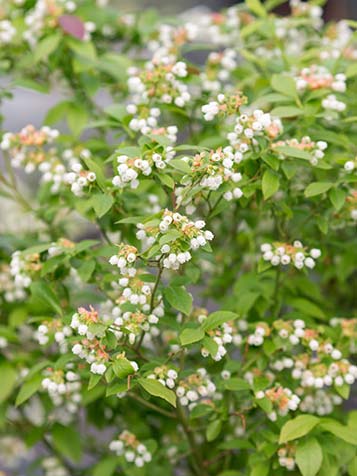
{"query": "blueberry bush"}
pixel 184 301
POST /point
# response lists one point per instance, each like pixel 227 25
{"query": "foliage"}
pixel 186 284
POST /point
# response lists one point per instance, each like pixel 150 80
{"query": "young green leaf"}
pixel 309 456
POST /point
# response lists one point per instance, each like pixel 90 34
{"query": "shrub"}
pixel 182 299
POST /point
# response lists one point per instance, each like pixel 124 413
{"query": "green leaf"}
pixel 122 367
pixel 352 467
pixel 28 389
pixel 260 469
pixel 256 7
pixel 317 188
pixel 217 318
pixel 270 183
pixel 77 118
pixel 67 441
pixel 191 335
pixel 42 291
pixel 287 111
pixel 8 380
pixel 155 388
pixel 284 84
pixel 345 433
pixel 86 269
pixel 236 384
pixel 307 307
pixel 102 203
pixel 337 198
pixel 46 46
pixel 180 165
pixel 179 298
pixel 309 457
pixel 97 169
pixel 213 430
pixel 105 467
pixel 293 152
pixel 297 427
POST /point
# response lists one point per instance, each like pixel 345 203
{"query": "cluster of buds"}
pixel 338 41
pixel 248 127
pixel 22 267
pixel 125 260
pixel 146 315
pixel 130 168
pixel 316 149
pixel 3 342
pixel 63 387
pixel 7 32
pixel 145 120
pixel 222 28
pixel 26 147
pixel 214 169
pixel 331 103
pixel 60 246
pixel 94 353
pixel 283 399
pixel 225 105
pixel 165 375
pixel 348 326
pixel 189 236
pixel 83 320
pixel 318 77
pixel 283 253
pixel 226 333
pixel 195 388
pixel 43 16
pixel 320 403
pixel 53 467
pixel 55 330
pixel 79 179
pixel 219 67
pixel 286 456
pixel 257 338
pixel 133 451
pixel 160 82
pixel 318 375
pixel 11 290
pixel 166 42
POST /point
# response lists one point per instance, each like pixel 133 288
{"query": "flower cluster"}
pixel 23 267
pixel 130 168
pixel 63 387
pixel 184 235
pixel 125 259
pixel 219 67
pixel 83 320
pixel 94 353
pixel 195 388
pixel 283 253
pixel 318 77
pixel 161 82
pixel 286 456
pixel 226 333
pixel 26 147
pixel 316 149
pixel 331 103
pixel 226 105
pixel 248 127
pixel 167 41
pixel 53 329
pixel 211 170
pixel 165 375
pixel 320 403
pixel 283 399
pixel 128 446
pixel 79 179
pixel 7 32
pixel 53 467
